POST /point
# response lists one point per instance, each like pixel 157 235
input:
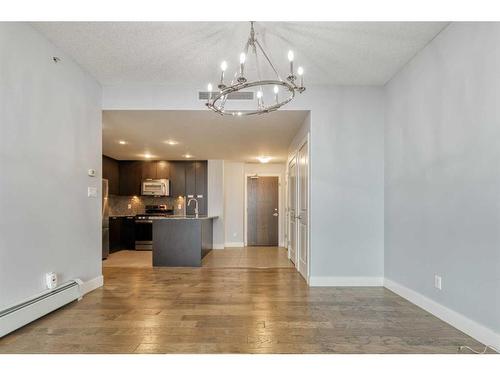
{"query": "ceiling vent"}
pixel 239 95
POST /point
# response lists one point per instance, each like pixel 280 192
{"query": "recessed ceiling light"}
pixel 187 156
pixel 264 159
pixel 148 155
pixel 122 142
pixel 171 142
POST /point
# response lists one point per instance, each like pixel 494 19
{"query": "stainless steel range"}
pixel 144 225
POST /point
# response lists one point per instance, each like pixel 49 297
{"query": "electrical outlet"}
pixel 438 282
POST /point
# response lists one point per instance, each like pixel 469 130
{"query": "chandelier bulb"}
pixel 259 94
pixel 209 87
pixel 300 71
pixel 242 58
pixel 223 66
pixel 276 89
pixel 290 56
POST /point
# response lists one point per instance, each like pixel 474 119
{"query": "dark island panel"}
pixel 181 242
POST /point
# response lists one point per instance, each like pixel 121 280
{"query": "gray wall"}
pixel 50 135
pixel 347 182
pixel 442 172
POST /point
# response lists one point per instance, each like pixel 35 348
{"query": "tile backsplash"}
pixel 118 204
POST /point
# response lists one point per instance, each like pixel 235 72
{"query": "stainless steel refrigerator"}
pixel 105 219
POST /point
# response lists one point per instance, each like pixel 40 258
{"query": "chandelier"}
pixel 283 90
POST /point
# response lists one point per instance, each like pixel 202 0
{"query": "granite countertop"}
pixel 183 217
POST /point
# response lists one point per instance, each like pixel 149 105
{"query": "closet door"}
pixel 292 210
pixel 303 210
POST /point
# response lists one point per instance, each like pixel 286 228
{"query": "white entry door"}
pixel 303 210
pixel 292 210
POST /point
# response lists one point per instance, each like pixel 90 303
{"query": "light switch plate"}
pixel 438 282
pixel 92 192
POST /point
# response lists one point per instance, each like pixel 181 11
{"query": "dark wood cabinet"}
pixel 201 186
pixel 196 186
pixel 177 178
pixel 121 233
pixel 190 180
pixel 115 233
pixel 127 237
pixel 148 170
pixel 163 169
pixel 130 177
pixel 111 172
pixel 187 178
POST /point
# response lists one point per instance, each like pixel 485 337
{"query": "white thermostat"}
pixel 51 280
pixel 92 172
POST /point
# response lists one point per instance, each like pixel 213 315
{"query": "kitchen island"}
pixel 181 241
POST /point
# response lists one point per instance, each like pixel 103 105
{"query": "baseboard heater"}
pixel 23 313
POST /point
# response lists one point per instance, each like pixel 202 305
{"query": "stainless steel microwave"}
pixel 157 188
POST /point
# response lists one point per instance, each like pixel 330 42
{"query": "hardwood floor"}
pixel 248 257
pixel 222 310
pixel 242 257
pixel 130 259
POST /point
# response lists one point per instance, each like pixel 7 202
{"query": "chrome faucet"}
pixel 195 207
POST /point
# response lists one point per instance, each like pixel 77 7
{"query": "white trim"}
pixel 88 286
pixel 218 246
pixel 346 281
pixel 235 244
pixel 470 327
pixel 245 213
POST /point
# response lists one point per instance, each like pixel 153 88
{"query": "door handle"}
pixel 275 214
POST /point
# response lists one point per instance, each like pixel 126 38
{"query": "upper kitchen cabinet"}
pixel 111 172
pixel 162 169
pixel 131 173
pixel 196 186
pixel 177 178
pixel 201 186
pixel 148 170
pixel 155 169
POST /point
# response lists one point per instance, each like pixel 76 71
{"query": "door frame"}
pixel 245 215
pixel 295 153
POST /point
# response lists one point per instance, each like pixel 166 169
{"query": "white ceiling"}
pixel 344 53
pixel 203 134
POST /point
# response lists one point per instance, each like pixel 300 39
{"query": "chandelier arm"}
pixel 259 76
pixel 268 60
pixel 223 95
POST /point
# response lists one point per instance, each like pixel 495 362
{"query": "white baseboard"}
pixel 453 318
pixel 235 244
pixel 345 281
pixel 218 246
pixel 92 284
